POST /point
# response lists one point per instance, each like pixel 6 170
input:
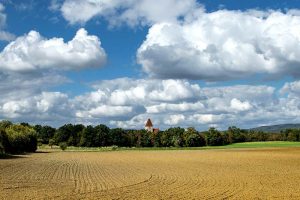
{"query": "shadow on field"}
pixel 8 156
pixel 22 155
pixel 41 152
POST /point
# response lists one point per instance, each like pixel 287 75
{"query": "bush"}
pixel 21 139
pixel 63 146
pixel 51 142
pixel 114 147
pixel 39 142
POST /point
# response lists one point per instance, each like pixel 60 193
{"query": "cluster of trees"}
pixel 290 135
pixel 236 135
pixel 101 135
pixel 18 138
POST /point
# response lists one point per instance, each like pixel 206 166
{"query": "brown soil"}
pixel 199 174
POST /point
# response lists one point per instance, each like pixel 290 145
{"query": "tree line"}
pixel 18 138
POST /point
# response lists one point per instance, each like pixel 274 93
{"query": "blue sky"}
pixel 181 63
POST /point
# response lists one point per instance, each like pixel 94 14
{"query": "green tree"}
pixel 195 140
pixel 131 138
pixel 146 138
pixel 155 138
pixel 192 138
pixel 4 144
pixel 172 137
pixel 118 137
pixel 25 124
pixel 44 133
pixel 293 135
pixel 101 136
pixel 235 135
pixel 87 137
pixel 5 124
pixel 67 131
pixel 214 137
pixel 63 133
pixel 76 134
pixel 2 150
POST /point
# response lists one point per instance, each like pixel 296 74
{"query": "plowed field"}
pixel 199 174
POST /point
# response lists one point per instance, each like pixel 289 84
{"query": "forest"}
pixel 23 137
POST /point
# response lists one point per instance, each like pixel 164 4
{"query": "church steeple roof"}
pixel 149 123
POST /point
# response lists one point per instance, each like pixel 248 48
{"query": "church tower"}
pixel 149 126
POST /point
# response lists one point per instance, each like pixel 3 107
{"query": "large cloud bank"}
pixel 128 103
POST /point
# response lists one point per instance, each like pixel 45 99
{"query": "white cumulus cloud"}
pixel 292 89
pixel 43 107
pixel 236 104
pixel 106 111
pixel 33 52
pixel 174 120
pixel 223 45
pixel 131 12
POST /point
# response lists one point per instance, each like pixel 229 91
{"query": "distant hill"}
pixel 275 128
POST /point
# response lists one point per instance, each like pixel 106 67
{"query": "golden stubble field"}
pixel 197 174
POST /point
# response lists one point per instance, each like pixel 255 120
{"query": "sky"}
pixel 184 63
